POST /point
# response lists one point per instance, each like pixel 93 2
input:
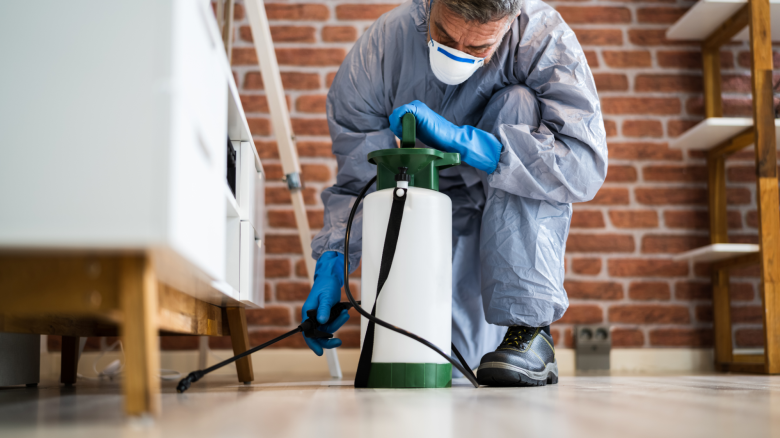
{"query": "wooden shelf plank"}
pixel 718 252
pixel 705 16
pixel 748 358
pixel 741 367
pixel 713 131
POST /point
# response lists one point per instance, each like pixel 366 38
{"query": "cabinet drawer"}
pixel 199 74
pixel 251 270
pixel 259 214
pixel 233 253
pixel 195 204
pixel 249 183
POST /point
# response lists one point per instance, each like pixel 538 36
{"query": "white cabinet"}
pixel 119 142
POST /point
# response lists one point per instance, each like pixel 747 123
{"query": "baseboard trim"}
pixel 662 360
pixel 299 363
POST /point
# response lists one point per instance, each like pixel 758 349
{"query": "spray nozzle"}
pixel 402 175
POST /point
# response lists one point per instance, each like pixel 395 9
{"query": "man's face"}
pixel 474 38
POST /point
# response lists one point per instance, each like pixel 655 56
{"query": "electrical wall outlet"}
pixel 592 345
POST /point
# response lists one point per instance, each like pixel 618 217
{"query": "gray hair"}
pixel 483 11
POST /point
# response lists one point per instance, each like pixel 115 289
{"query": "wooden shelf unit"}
pixel 715 23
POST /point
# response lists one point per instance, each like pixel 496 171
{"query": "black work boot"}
pixel 526 357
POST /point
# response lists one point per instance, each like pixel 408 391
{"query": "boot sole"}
pixel 504 374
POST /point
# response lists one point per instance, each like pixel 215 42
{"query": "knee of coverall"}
pixel 512 105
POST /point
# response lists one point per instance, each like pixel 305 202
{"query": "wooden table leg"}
pixel 239 335
pixel 69 364
pixel 138 298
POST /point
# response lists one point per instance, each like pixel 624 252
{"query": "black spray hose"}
pixel 184 384
pixel 464 370
pixel 310 328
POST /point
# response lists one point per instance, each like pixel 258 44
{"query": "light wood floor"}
pixel 713 405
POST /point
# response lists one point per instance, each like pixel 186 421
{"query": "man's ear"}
pixel 511 20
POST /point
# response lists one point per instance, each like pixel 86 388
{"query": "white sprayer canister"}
pixel 417 295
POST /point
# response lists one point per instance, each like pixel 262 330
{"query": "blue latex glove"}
pixel 476 147
pixel 326 292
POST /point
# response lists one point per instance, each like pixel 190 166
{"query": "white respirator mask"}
pixel 452 66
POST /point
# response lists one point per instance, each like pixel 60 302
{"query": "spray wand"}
pixel 309 327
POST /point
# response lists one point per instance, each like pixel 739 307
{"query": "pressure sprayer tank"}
pixel 417 295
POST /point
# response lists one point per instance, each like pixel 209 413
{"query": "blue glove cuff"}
pixel 330 266
pixel 485 151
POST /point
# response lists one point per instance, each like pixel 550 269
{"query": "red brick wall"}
pixel 653 204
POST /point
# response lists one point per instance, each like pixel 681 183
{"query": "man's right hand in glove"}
pixel 326 292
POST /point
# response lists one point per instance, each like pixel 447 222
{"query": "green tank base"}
pixel 410 375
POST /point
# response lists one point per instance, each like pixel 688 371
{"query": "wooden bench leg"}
pixel 69 364
pixel 721 306
pixel 239 335
pixel 138 298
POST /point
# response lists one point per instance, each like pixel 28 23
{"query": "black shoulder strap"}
pixel 388 252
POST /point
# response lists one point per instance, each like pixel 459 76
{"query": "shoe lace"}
pixel 517 337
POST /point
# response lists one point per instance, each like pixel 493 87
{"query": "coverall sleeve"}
pixel 564 159
pixel 358 125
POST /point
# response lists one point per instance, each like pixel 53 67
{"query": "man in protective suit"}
pixel 505 84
